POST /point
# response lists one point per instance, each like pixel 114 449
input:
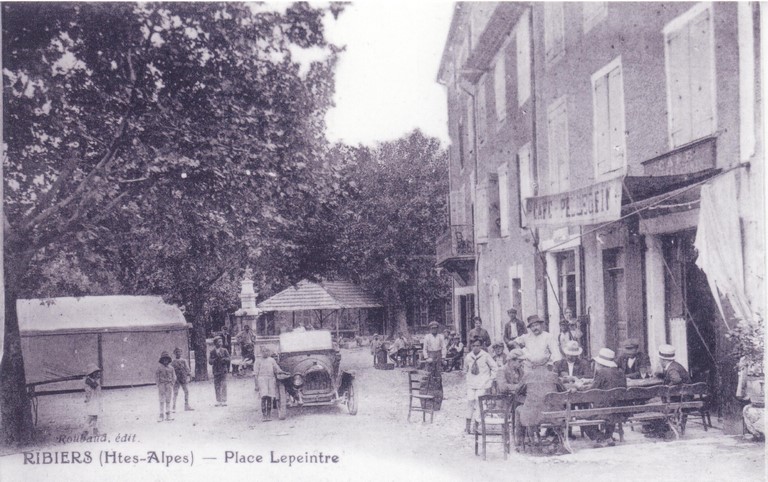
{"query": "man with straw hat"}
pixel 607 376
pixel 674 373
pixel 509 377
pixel 572 366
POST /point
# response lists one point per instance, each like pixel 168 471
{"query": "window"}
pixel 526 187
pixel 494 213
pixel 481 215
pixel 608 119
pixel 423 313
pixel 482 110
pixel 503 200
pixel 458 209
pixel 523 42
pixel 500 86
pixel 516 289
pixel 554 31
pixel 566 280
pixel 593 13
pixel 689 49
pixel 557 136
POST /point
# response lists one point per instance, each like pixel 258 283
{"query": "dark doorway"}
pixel 615 297
pixel 467 312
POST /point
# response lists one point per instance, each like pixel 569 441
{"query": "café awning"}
pixel 608 201
pixel 324 295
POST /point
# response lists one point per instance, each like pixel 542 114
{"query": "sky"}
pixel 386 80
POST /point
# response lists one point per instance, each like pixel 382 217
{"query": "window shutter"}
pixel 523 43
pixel 602 122
pixel 701 71
pixel 525 180
pixel 481 213
pixel 679 87
pixel 563 158
pixel 617 155
pixel 500 86
pixel 470 131
pixel 504 200
pixel 482 109
pixel 455 207
pixel 552 152
pixel 461 207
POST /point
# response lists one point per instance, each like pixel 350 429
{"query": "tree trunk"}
pixel 199 344
pixel 16 421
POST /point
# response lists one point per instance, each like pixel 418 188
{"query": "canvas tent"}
pixel 124 335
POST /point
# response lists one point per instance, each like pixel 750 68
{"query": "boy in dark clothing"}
pixel 219 359
pixel 181 370
pixel 165 376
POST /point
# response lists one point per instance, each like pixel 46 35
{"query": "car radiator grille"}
pixel 317 381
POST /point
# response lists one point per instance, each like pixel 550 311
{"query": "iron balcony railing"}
pixel 457 242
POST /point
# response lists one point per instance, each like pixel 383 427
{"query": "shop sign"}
pixel 593 204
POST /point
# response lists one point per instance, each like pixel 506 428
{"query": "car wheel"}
pixel 351 400
pixel 282 403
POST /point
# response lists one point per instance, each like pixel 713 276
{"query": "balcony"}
pixel 456 252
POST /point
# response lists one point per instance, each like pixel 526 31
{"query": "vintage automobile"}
pixel 312 377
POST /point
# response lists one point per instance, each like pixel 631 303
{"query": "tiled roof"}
pixel 326 295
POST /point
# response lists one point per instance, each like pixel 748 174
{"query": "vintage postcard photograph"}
pixel 382 240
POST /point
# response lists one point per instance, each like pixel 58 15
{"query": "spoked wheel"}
pixel 351 400
pixel 282 403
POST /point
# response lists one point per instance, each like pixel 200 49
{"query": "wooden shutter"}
pixel 455 201
pixel 617 155
pixel 481 213
pixel 679 87
pixel 500 86
pixel 482 109
pixel 701 75
pixel 470 131
pixel 523 44
pixel 552 151
pixel 601 123
pixel 504 200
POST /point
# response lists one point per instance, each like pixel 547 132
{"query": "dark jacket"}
pixel 482 333
pixel 218 359
pixel 508 378
pixel 521 330
pixel 535 385
pixel 641 360
pixel 607 378
pixel 676 374
pixel 581 369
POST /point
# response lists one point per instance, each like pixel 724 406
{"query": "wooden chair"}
pixel 698 395
pixel 495 420
pixel 423 403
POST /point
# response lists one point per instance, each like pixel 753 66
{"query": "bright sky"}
pixel 386 79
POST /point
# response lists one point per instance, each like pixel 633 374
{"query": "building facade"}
pixel 638 168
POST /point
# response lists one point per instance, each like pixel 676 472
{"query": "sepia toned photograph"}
pixel 386 241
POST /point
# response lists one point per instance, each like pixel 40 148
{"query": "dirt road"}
pixel 376 444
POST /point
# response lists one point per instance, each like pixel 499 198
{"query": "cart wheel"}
pixel 282 403
pixel 351 400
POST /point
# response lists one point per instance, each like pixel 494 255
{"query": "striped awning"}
pixel 325 295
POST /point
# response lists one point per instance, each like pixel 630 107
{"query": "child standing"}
pixel 266 370
pixel 181 370
pixel 165 377
pixel 93 406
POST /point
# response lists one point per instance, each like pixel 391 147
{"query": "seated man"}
pixel 498 354
pixel 673 373
pixel 607 376
pixel 633 362
pixel 509 378
pixel 454 353
pixel 534 386
pixel 396 349
pixel 572 366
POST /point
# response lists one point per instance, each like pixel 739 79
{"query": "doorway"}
pixel 615 297
pixel 466 313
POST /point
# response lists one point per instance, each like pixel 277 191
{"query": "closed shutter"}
pixel 461 208
pixel 482 110
pixel 701 72
pixel 503 200
pixel 500 86
pixel 602 123
pixel 523 60
pixel 679 87
pixel 455 201
pixel 616 122
pixel 481 213
pixel 470 131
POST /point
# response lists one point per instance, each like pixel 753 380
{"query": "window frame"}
pixel 683 21
pixel 559 185
pixel 500 70
pixel 552 42
pixel 523 58
pixel 598 16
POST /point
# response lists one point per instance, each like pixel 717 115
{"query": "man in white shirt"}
pixel 540 347
pixel 480 371
pixel 435 345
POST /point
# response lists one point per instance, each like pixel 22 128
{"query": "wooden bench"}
pixel 669 404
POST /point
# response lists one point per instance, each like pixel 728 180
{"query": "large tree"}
pixel 122 120
pixel 388 225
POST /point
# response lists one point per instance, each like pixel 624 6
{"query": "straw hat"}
pixel 516 354
pixel 433 324
pixel 164 355
pixel 631 344
pixel 667 352
pixel 605 357
pixel 572 348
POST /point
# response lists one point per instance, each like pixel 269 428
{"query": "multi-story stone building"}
pixel 629 126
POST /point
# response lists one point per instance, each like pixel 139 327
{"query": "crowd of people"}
pixel 530 362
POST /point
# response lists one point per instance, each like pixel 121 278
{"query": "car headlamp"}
pixel 298 380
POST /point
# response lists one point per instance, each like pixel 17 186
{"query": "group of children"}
pixel 170 376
